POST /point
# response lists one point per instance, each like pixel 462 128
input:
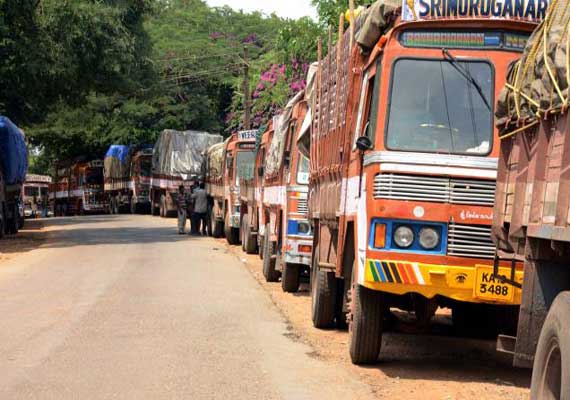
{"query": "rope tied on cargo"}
pixel 538 83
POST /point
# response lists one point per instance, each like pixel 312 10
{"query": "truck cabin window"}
pixel 441 106
pixel 303 170
pixel 94 176
pixel 146 167
pixel 31 191
pixel 245 164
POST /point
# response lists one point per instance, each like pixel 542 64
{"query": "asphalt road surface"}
pixel 122 307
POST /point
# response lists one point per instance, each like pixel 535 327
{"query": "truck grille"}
pixel 302 206
pixel 470 241
pixel 435 189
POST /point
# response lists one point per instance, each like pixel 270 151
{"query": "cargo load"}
pixel 117 161
pixel 181 153
pixel 13 152
pixel 374 22
pixel 538 83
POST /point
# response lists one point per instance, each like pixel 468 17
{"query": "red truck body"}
pixel 79 189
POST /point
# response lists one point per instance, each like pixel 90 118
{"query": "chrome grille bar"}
pixel 470 241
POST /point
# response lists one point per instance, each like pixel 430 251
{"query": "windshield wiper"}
pixel 466 74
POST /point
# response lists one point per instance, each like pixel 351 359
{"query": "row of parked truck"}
pixel 390 182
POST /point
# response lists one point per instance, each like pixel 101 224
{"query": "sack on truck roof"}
pixel 13 152
pixel 538 83
pixel 375 21
pixel 181 153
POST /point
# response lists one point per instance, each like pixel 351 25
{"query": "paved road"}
pixel 122 307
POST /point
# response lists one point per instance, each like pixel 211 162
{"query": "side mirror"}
pixel 363 143
pixel 260 171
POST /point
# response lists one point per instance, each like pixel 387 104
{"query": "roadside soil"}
pixel 30 237
pixel 427 366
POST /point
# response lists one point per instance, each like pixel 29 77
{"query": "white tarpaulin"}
pixel 280 128
pixel 181 153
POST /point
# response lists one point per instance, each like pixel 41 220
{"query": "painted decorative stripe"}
pixel 387 271
pixel 395 272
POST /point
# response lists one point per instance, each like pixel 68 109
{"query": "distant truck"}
pixel 288 239
pixel 238 156
pixel 35 195
pixel 251 192
pixel 78 189
pixel 13 168
pixel 178 158
pixel 531 216
pixel 127 172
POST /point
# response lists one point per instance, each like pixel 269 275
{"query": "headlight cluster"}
pixel 428 237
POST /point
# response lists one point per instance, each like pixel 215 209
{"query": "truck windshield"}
pixel 94 176
pixel 245 162
pixel 146 167
pixel 303 170
pixel 434 108
pixel 31 191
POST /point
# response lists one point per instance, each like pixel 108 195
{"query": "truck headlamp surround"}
pixel 428 238
pixel 404 236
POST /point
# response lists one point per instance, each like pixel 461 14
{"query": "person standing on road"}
pixel 200 214
pixel 181 205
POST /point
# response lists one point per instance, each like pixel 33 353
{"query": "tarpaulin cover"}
pixel 374 23
pixel 304 139
pixel 181 153
pixel 538 83
pixel 275 154
pixel 13 152
pixel 215 155
pixel 117 161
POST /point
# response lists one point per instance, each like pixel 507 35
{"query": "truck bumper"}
pixel 298 251
pixel 468 284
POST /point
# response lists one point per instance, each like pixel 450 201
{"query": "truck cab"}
pixel 140 175
pixel 418 171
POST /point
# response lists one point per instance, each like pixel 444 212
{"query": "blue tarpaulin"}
pixel 13 152
pixel 119 151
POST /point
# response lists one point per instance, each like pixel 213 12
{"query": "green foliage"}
pixel 79 75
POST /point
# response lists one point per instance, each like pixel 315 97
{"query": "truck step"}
pixel 506 344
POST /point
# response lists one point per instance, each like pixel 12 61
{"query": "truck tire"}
pixel 242 232
pixel 551 370
pixel 217 226
pixel 162 206
pixel 365 327
pixel 290 277
pixel 323 295
pixel 250 242
pixel 2 221
pixel 269 271
pixel 154 210
pixel 232 235
pixel 261 247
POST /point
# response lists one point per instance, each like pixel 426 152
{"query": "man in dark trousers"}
pixel 200 214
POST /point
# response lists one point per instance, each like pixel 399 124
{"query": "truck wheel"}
pixel 242 232
pixel 551 370
pixel 365 328
pixel 290 278
pixel 218 226
pixel 261 247
pixel 232 236
pixel 2 221
pixel 269 271
pixel 154 210
pixel 323 295
pixel 162 206
pixel 250 242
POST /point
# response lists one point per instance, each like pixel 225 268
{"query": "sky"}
pixel 283 8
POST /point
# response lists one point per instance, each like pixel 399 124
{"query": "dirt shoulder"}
pixel 411 366
pixel 32 236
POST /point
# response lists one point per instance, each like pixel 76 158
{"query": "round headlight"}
pixel 404 236
pixel 304 228
pixel 429 238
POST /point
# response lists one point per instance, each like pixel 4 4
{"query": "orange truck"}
pixel 78 189
pixel 404 165
pixel 251 196
pixel 531 216
pixel 237 161
pixel 287 234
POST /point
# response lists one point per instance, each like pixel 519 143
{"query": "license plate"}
pixel 490 288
